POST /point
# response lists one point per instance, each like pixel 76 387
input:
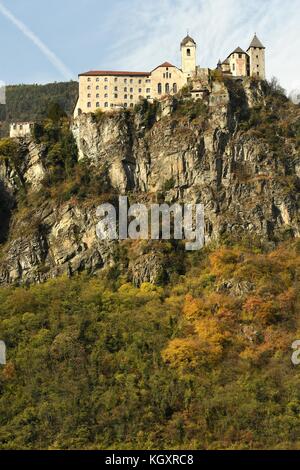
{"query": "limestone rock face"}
pixel 57 241
pixel 245 184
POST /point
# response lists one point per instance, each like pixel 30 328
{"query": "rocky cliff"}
pixel 236 151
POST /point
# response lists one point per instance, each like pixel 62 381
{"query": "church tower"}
pixel 256 52
pixel 188 56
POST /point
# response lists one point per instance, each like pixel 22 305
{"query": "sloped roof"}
pixel 187 39
pixel 256 43
pixel 165 64
pixel 95 73
pixel 239 50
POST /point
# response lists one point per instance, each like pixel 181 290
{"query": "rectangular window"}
pixel 131 90
pixel 116 95
pixel 140 90
pixel 140 81
pixel 131 97
pixel 97 105
pixel 106 79
pixel 148 90
pixel 125 89
pixel 105 105
pixel 116 79
pixel 125 97
pixel 89 104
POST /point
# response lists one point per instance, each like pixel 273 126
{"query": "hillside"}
pixel 141 344
pixel 31 102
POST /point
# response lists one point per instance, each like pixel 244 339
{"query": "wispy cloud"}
pixel 51 56
pixel 150 32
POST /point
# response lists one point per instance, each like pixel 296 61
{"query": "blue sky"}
pixel 65 37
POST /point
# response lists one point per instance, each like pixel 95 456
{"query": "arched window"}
pixel 174 87
pixel 159 89
pixel 188 52
pixel 167 88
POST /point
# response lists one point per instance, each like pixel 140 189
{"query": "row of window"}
pixel 167 88
pixel 148 80
pixel 115 96
pixel 148 90
pixel 106 105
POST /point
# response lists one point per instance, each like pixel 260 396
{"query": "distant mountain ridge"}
pixel 31 102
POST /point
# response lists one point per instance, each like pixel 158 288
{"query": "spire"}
pixel 256 43
pixel 187 39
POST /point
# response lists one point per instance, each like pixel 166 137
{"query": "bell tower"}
pixel 188 56
pixel 257 65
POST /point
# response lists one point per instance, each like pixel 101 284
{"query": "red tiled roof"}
pixel 96 73
pixel 165 64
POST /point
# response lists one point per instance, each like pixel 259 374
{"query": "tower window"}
pixel 159 89
pixel 188 52
pixel 167 88
pixel 106 105
pixel 97 104
pixel 174 87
